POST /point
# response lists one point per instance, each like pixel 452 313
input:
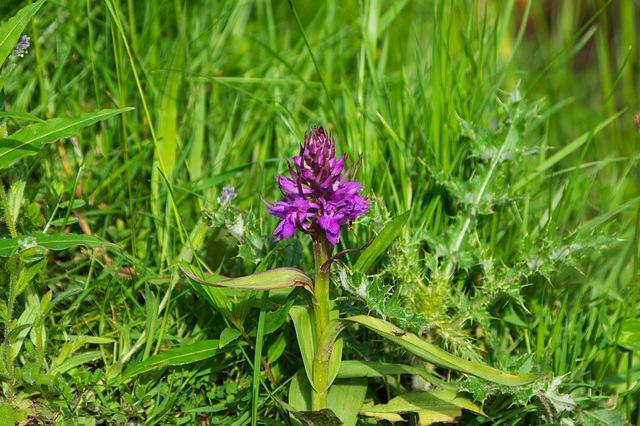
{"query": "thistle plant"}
pixel 319 198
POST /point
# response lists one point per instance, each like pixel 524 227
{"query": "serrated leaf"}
pixel 53 242
pixel 381 242
pixel 30 139
pixel 183 355
pixel 430 406
pixel 560 402
pixel 11 30
pixel 437 356
pixel 272 279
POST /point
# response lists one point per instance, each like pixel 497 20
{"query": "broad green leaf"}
pixel 629 334
pixel 381 242
pixel 272 279
pixel 52 242
pixel 437 356
pixel 354 368
pixel 30 139
pixel 345 399
pixel 303 319
pixel 183 355
pixel 228 335
pixel 11 30
pixel 431 406
pixel 75 361
pixel 304 323
pixel 299 393
pixel 300 403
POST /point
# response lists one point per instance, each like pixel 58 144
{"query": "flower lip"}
pixel 318 197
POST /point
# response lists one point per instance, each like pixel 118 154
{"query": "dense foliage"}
pixel 499 171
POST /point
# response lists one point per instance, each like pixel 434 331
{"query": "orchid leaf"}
pixel 345 399
pixel 356 368
pixel 437 356
pixel 303 321
pixel 299 393
pixel 381 243
pixel 30 139
pixel 272 279
pixel 431 407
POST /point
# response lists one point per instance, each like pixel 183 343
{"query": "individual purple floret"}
pixel 317 197
pixel 21 46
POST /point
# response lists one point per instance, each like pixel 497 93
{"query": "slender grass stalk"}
pixel 115 17
pixel 255 388
pixel 632 310
pixel 566 196
pixel 315 63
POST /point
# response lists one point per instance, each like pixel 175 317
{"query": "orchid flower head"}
pixel 318 197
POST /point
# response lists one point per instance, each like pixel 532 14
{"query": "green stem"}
pixel 321 252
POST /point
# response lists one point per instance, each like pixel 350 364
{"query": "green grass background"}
pixel 224 91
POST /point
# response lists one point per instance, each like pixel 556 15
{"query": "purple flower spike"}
pixel 318 197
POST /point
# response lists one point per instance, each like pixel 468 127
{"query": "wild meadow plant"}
pixel 319 199
pixel 491 216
